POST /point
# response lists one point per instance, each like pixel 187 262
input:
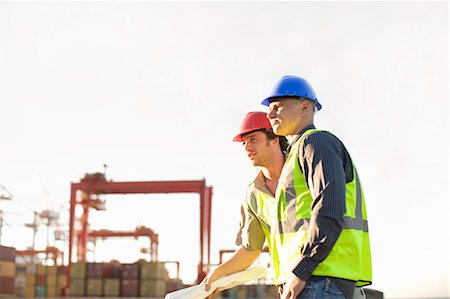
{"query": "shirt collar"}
pixel 260 184
pixel 298 136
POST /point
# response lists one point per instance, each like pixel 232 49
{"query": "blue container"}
pixel 41 291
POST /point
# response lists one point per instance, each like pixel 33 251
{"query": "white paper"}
pixel 227 282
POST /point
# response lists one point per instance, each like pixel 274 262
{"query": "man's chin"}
pixel 278 131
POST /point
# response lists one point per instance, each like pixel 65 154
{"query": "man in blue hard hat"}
pixel 322 233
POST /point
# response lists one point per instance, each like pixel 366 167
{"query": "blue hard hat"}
pixel 293 86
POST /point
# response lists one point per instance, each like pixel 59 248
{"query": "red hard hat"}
pixel 253 121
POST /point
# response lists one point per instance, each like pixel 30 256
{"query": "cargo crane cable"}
pixel 12 197
pixel 45 193
pixel 5 194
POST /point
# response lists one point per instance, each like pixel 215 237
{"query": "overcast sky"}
pixel 157 91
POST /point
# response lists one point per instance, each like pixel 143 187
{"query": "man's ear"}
pixel 275 140
pixel 306 105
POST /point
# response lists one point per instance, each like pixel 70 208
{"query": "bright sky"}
pixel 157 91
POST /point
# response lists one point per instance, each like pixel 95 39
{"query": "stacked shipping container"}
pixel 7 270
pixel 111 277
pixel 153 280
pixel 129 280
pixel 77 279
pixel 94 279
pixel 114 280
pixel 39 280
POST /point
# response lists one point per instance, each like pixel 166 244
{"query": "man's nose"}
pixel 270 114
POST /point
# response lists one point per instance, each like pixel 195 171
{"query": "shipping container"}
pixel 52 280
pixel 373 294
pixel 7 269
pixel 30 280
pixel 129 271
pixel 41 291
pixel 31 269
pixel 94 287
pixel 19 291
pixel 41 270
pixel 78 270
pixel 111 270
pixel 61 281
pixel 6 285
pixel 152 288
pixel 52 291
pixel 62 270
pixel 94 270
pixel 20 280
pixel 174 285
pixel 52 270
pixel 271 291
pixel 30 291
pixel 7 254
pixel 111 287
pixel 77 287
pixel 41 280
pixel 153 270
pixel 129 288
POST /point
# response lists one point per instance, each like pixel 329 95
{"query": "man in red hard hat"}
pixel 265 150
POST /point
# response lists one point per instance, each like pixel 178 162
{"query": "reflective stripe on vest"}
pixel 350 257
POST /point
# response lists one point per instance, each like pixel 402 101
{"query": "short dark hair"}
pixel 282 140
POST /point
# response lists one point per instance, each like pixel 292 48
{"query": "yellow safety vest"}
pixel 264 207
pixel 350 257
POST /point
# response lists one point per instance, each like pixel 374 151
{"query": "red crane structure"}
pixel 141 231
pixel 96 184
pixel 55 252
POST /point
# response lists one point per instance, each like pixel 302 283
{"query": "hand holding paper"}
pixel 224 283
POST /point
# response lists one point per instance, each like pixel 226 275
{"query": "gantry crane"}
pixel 55 252
pixel 141 231
pixel 92 185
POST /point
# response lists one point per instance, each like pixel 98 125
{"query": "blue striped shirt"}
pixel 326 166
